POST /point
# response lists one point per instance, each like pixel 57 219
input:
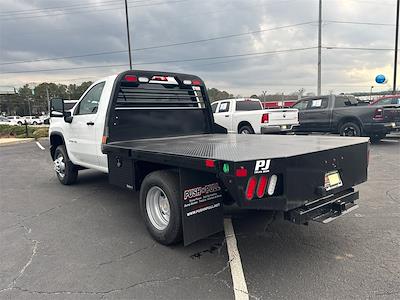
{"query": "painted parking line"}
pixel 40 146
pixel 239 282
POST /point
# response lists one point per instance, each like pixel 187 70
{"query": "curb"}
pixel 13 142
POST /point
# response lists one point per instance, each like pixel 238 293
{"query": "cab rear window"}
pixel 247 105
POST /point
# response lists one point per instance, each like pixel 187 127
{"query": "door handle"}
pixel 90 123
pixel 226 116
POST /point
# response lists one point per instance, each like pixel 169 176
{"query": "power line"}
pixel 62 8
pixel 166 62
pixel 162 46
pixel 359 23
pixel 357 48
pixel 90 10
pixel 39 10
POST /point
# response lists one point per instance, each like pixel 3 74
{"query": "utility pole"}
pixel 48 99
pixel 396 45
pixel 319 47
pixel 127 32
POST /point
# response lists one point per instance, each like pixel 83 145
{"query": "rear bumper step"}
pixel 326 209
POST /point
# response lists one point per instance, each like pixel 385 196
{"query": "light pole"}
pixel 127 32
pixel 370 93
pixel 319 47
pixel 396 45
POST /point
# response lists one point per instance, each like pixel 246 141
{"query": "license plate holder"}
pixel 333 180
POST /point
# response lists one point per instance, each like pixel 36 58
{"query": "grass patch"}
pixel 7 131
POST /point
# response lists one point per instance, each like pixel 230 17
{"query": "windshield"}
pixel 248 105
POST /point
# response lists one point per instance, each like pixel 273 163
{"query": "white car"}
pixel 4 121
pixel 248 116
pixel 32 120
pixel 16 120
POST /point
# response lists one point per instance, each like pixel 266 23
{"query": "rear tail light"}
pixel 378 115
pixel 272 184
pixel 242 172
pixel 251 188
pixel 262 184
pixel 265 118
pixel 130 78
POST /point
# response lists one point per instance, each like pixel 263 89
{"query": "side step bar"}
pixel 325 209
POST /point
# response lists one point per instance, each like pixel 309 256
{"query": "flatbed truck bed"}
pixel 234 147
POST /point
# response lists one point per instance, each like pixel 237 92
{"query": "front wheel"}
pixel 34 123
pixel 246 130
pixel 350 129
pixel 66 171
pixel 160 208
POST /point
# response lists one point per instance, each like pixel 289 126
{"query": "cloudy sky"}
pixel 243 46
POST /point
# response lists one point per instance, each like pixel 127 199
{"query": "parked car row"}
pixel 331 114
pixel 17 120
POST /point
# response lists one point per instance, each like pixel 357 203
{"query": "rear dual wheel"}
pixel 159 205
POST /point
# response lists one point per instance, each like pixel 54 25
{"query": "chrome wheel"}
pixel 59 165
pixel 349 131
pixel 245 131
pixel 157 208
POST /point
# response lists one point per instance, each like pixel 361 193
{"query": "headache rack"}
pixel 137 95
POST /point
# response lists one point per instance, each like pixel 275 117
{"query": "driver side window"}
pixel 90 102
pixel 301 105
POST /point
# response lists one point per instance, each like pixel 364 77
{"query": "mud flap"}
pixel 202 209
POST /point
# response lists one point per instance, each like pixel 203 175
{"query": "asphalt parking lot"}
pixel 88 241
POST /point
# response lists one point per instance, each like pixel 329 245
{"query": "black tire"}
pixel 34 123
pixel 70 171
pixel 376 138
pixel 350 129
pixel 19 123
pixel 168 182
pixel 246 129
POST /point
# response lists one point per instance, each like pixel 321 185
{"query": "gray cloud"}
pixel 103 29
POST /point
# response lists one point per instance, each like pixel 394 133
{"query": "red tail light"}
pixel 196 82
pixel 251 188
pixel 262 184
pixel 210 163
pixel 378 115
pixel 265 118
pixel 242 172
pixel 130 78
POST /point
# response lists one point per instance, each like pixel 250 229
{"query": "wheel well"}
pixel 349 119
pixel 244 123
pixel 144 168
pixel 55 141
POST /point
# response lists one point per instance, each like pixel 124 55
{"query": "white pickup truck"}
pixel 248 116
pixel 154 132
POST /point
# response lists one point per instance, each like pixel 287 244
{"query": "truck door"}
pixel 303 120
pixel 317 114
pixel 82 141
pixel 223 115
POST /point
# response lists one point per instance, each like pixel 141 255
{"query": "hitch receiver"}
pixel 325 209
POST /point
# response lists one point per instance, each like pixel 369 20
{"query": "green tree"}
pixel 215 94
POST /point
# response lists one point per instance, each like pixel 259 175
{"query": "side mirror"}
pixel 57 107
pixel 68 117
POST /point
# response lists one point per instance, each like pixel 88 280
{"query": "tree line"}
pixel 34 100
